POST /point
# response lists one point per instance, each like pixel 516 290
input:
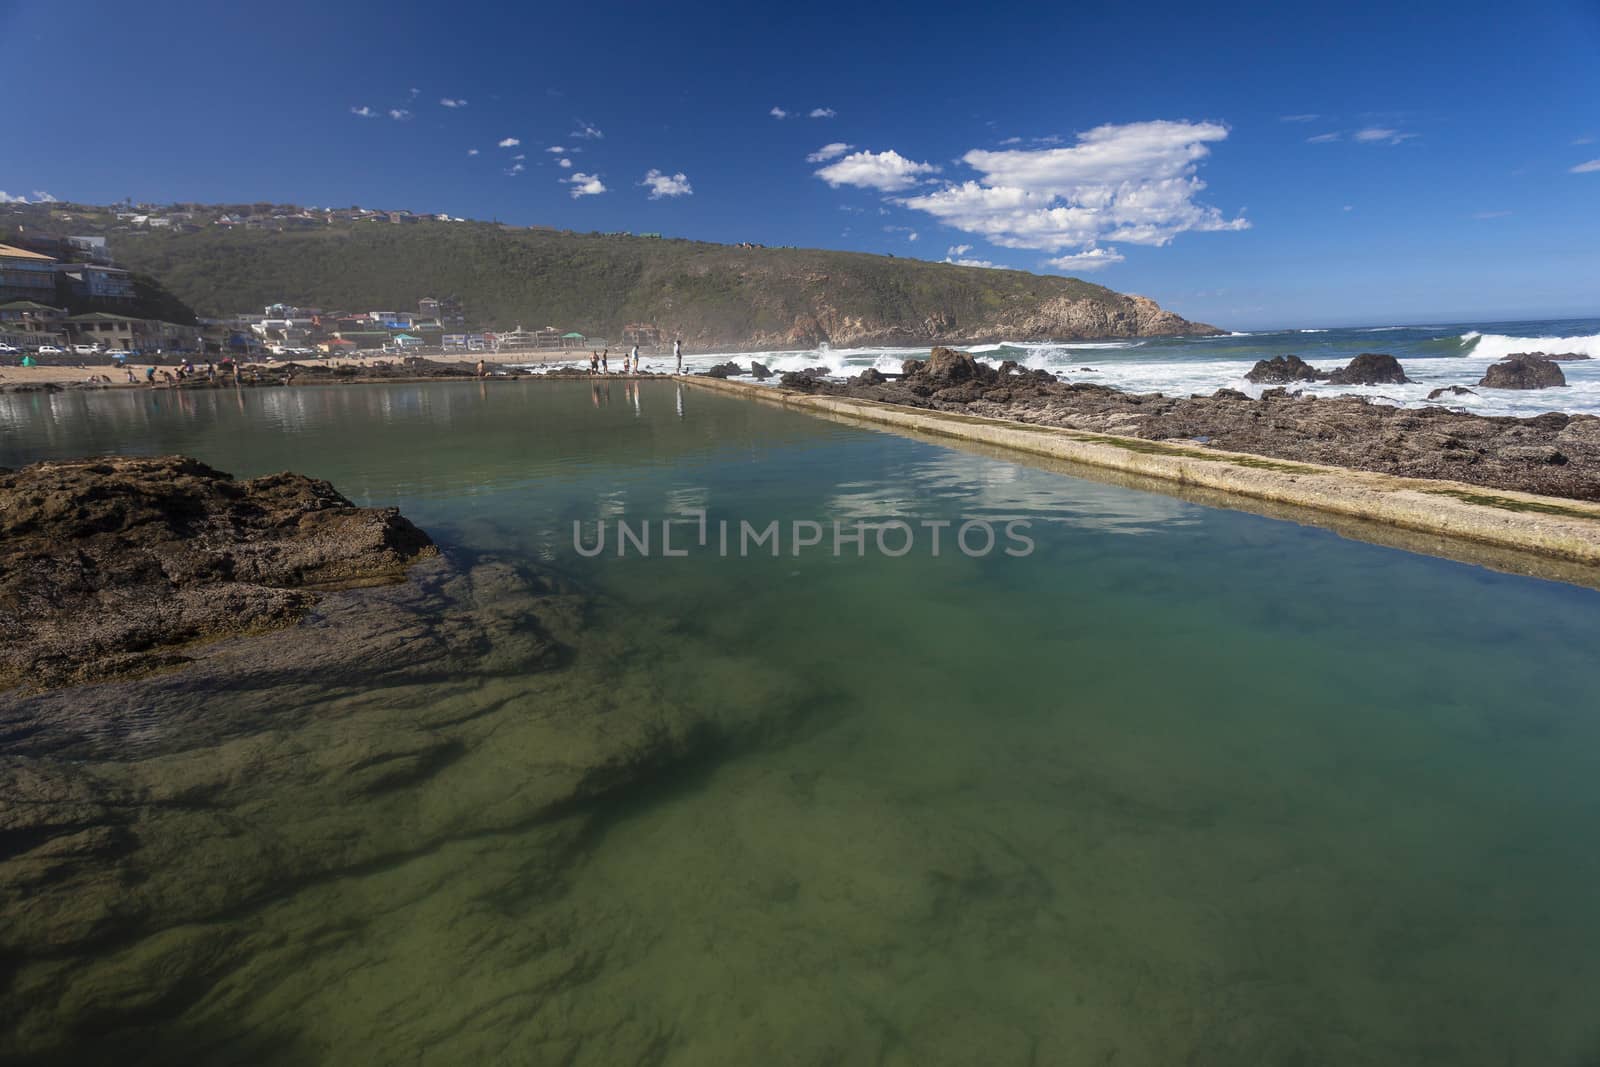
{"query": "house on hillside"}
pixel 90 281
pixel 26 275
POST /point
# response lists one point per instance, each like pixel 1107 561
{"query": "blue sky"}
pixel 1247 164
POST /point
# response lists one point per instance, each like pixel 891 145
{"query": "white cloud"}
pixel 778 113
pixel 42 197
pixel 661 185
pixel 912 236
pixel 586 131
pixel 1133 183
pixel 1582 140
pixel 888 172
pixel 472 151
pixel 509 142
pixel 585 184
pixel 1587 168
pixel 1381 135
pixel 399 114
pixel 517 168
pixel 1322 138
pixel 1298 118
pixel 957 254
pixel 1349 207
pixel 520 155
pixel 828 151
pixel 1054 138
pixel 7 198
pixel 451 101
pixel 822 113
pixel 1011 140
pixel 1090 259
pixel 415 93
pixel 364 111
pixel 556 150
pixel 564 164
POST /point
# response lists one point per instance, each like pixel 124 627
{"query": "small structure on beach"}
pixel 643 334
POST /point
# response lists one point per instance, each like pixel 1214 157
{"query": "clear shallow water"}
pixel 1184 785
pixel 1433 355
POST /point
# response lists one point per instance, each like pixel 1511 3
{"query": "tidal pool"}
pixel 1178 785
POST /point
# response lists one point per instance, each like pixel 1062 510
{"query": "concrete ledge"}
pixel 1555 528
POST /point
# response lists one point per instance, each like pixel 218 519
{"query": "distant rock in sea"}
pixel 1523 371
pixel 1370 368
pixel 1283 369
pixel 1451 390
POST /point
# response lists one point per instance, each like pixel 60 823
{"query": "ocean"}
pixel 1433 355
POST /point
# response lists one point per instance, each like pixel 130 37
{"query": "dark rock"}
pixel 1370 368
pixel 870 376
pixel 1451 390
pixel 1283 369
pixel 1561 357
pixel 724 370
pixel 108 565
pixel 760 371
pixel 1229 394
pixel 946 366
pixel 804 381
pixel 1523 372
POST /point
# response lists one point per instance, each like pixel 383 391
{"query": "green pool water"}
pixel 1180 785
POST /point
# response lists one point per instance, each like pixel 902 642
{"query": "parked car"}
pixel 86 350
pixel 10 350
pixel 50 350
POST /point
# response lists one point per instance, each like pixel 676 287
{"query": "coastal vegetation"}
pixel 596 284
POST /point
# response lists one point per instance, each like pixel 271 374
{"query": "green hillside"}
pixel 595 283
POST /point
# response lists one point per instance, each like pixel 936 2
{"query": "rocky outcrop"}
pixel 187 842
pixel 1281 369
pixel 108 567
pixel 1451 390
pixel 760 371
pixel 1559 357
pixel 1370 368
pixel 1523 372
pixel 729 369
pixel 1557 455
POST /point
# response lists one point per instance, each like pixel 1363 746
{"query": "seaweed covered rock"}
pixel 108 565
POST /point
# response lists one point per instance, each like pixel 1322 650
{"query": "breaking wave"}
pixel 1498 346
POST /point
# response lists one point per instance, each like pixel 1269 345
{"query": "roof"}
pixel 11 252
pixel 27 305
pixel 574 333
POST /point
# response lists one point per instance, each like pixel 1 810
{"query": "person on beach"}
pixel 677 352
pixel 482 369
pixel 150 375
pixel 636 359
pixel 594 362
pixel 605 361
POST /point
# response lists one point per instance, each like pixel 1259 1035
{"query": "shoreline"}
pixel 1553 528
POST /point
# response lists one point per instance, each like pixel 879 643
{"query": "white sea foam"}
pixel 1498 345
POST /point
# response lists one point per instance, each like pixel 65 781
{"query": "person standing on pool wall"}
pixel 635 357
pixel 677 352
